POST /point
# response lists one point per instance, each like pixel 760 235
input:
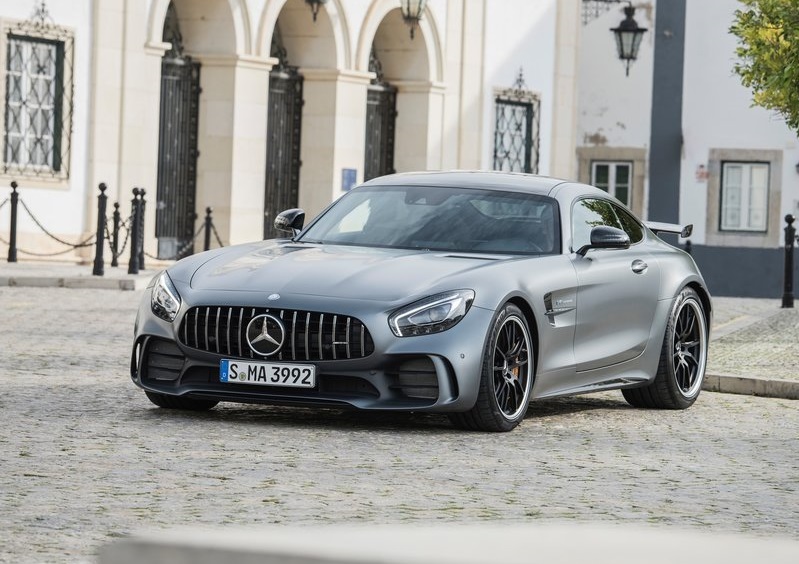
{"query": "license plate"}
pixel 267 373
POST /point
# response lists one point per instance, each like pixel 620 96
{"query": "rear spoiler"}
pixel 683 231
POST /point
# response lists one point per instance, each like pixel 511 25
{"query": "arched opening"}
pixel 202 35
pixel 284 128
pixel 405 99
pixel 176 187
pixel 305 95
pixel 381 117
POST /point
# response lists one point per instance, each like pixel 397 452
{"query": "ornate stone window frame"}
pixel 41 28
pixel 724 238
pixel 635 155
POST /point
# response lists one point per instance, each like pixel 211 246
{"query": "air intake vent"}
pixel 163 360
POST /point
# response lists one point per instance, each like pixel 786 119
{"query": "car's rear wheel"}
pixel 180 402
pixel 506 378
pixel 683 358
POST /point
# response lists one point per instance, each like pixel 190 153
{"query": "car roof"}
pixel 489 180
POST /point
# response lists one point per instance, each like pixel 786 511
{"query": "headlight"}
pixel 431 315
pixel 165 300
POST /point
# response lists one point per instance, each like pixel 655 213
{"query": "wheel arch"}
pixel 529 316
pixel 704 298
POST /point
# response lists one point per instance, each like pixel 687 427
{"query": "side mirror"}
pixel 605 237
pixel 291 221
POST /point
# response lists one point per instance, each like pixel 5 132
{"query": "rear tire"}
pixel 507 376
pixel 683 358
pixel 180 402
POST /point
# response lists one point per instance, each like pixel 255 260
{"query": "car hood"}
pixel 336 271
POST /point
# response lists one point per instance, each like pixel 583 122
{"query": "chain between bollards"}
pixel 790 240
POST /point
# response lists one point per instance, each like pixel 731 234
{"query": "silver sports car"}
pixel 465 293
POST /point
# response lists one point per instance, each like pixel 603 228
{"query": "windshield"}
pixel 441 219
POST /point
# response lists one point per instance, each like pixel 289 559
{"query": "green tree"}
pixel 768 49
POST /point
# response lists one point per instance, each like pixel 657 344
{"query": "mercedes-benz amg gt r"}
pixel 465 293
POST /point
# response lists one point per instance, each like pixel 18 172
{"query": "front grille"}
pixel 310 335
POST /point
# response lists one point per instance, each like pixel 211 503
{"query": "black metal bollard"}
pixel 790 238
pixel 133 263
pixel 208 224
pixel 115 236
pixel 12 243
pixel 99 244
pixel 141 228
pixel 689 247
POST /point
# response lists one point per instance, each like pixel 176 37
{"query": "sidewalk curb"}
pixel 751 386
pixel 83 282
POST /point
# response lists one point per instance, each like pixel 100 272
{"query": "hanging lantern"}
pixel 628 37
pixel 315 4
pixel 412 11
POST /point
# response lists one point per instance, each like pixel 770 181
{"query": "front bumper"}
pixel 438 372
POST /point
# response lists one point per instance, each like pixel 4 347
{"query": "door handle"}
pixel 639 266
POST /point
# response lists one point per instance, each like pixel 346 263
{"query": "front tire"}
pixel 683 358
pixel 180 402
pixel 506 378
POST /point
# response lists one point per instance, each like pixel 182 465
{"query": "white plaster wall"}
pixel 483 44
pixel 58 205
pixel 717 111
pixel 519 33
pixel 614 109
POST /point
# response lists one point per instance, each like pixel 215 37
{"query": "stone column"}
pixel 333 134
pixel 420 114
pixel 231 167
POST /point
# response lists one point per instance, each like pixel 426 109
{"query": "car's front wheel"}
pixel 180 402
pixel 507 375
pixel 683 358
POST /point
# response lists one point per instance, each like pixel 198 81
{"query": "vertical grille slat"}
pixel 229 314
pixel 307 334
pixel 349 324
pixel 196 322
pixel 293 334
pixel 280 355
pixel 207 315
pixel 310 336
pixel 241 320
pixel 321 332
pixel 333 340
pixel 252 354
pixel 216 333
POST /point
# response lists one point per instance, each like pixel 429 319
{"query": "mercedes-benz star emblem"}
pixel 265 334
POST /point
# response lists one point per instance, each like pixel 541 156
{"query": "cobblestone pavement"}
pixel 85 458
pixel 755 337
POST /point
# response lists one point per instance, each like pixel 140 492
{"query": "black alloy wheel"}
pixel 507 375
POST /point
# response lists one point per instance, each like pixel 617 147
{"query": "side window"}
pixel 587 214
pixel 630 225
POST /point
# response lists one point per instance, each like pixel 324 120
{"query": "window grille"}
pixel 516 129
pixel 38 98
